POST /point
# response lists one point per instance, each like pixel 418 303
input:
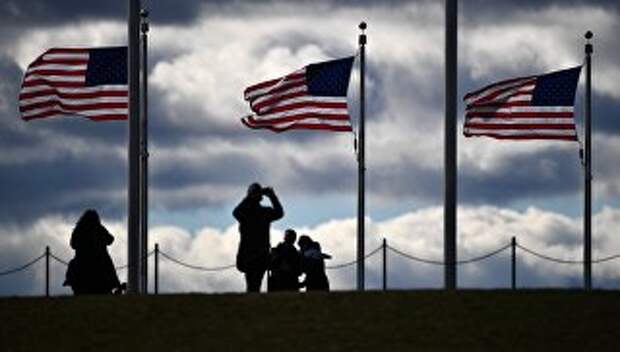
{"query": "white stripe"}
pixel 54 97
pixel 66 56
pixel 40 87
pixel 303 99
pixel 278 94
pixel 303 111
pixel 81 112
pixel 55 78
pixel 520 121
pixel 253 93
pixel 525 89
pixel 490 91
pixel 57 67
pixel 532 109
pixel 522 132
pixel 258 92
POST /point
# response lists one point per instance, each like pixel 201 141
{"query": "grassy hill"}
pixel 342 321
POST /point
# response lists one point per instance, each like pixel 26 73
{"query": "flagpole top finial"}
pixel 363 26
pixel 589 35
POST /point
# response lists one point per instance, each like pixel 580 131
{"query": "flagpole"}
pixel 133 217
pixel 361 162
pixel 587 218
pixel 450 162
pixel 144 153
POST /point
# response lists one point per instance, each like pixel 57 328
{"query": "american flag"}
pixel 533 107
pixel 90 82
pixel 314 97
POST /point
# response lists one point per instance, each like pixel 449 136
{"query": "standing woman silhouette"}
pixel 91 271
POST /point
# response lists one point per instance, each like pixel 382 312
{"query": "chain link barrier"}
pixel 195 267
pixel 23 267
pixel 344 265
pixel 458 262
pixel 566 261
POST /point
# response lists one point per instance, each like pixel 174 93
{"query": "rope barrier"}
pixel 482 257
pixel 195 267
pixel 546 257
pixel 23 267
pixel 458 262
pixel 122 267
pixel 418 259
pixel 344 265
pixel 59 260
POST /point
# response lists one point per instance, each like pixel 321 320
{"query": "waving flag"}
pixel 90 82
pixel 533 107
pixel 314 97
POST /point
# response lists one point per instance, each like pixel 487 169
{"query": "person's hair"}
pixel 304 240
pixel 87 223
pixel 290 235
pixel 89 219
pixel 254 188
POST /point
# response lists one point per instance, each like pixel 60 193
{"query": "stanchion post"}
pixel 156 268
pixel 47 271
pixel 384 247
pixel 513 245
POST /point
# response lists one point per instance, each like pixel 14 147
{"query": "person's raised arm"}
pixel 277 211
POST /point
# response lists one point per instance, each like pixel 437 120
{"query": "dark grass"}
pixel 545 320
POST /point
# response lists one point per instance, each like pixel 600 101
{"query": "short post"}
pixel 513 245
pixel 156 268
pixel 47 271
pixel 384 264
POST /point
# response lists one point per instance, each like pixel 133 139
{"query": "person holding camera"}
pixel 254 226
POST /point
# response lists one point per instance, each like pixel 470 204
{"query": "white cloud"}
pixel 481 230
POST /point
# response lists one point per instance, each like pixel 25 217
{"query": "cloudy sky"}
pixel 204 53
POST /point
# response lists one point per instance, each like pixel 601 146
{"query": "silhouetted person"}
pixel 285 264
pixel 254 223
pixel 91 271
pixel 313 264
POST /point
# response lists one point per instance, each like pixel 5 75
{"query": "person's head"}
pixel 304 241
pixel 89 218
pixel 290 236
pixel 255 191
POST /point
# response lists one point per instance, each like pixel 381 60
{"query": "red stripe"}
pixel 498 105
pixel 529 126
pixel 47 82
pixel 57 73
pixel 279 89
pixel 269 83
pixel 493 85
pixel 302 116
pixel 67 51
pixel 516 115
pixel 88 95
pixel 522 137
pixel 494 95
pixel 73 107
pixel 302 105
pixel 301 126
pixel 259 106
pixel 53 113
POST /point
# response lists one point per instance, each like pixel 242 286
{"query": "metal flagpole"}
pixel 144 154
pixel 361 163
pixel 133 219
pixel 587 218
pixel 449 223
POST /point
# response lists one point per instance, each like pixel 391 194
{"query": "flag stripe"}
pixel 56 84
pixel 523 108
